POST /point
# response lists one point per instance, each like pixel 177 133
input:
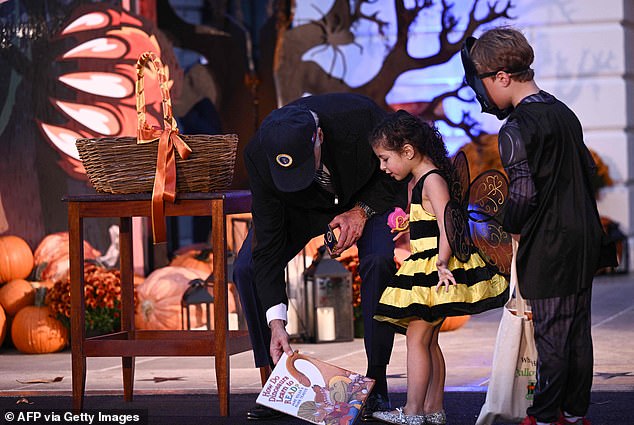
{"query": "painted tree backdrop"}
pixel 258 56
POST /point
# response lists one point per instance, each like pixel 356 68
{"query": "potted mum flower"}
pixel 102 291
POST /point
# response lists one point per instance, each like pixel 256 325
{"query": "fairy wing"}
pixel 457 229
pixel 460 182
pixel 456 218
pixel 487 195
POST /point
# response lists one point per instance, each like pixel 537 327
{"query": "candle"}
pixel 293 320
pixel 234 323
pixel 326 323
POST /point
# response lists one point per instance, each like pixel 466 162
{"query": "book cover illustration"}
pixel 315 391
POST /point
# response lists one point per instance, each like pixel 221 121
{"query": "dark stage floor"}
pixel 608 408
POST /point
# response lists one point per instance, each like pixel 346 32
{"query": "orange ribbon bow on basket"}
pixel 168 137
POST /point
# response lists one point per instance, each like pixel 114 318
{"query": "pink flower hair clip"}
pixel 398 220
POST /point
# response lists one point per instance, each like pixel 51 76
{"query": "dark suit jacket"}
pixel 285 222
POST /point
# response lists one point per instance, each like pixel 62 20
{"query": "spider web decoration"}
pixel 474 216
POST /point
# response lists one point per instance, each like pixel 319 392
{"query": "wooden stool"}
pixel 128 343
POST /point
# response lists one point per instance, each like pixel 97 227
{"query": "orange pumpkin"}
pixel 453 323
pixel 51 257
pixel 159 298
pixel 16 294
pixel 3 325
pixel 34 330
pixel 199 259
pixel 16 258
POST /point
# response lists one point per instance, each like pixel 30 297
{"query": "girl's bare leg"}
pixel 436 388
pixel 419 364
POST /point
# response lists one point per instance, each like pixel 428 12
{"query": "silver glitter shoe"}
pixel 399 418
pixel 436 418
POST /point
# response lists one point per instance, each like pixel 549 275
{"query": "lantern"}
pixel 196 295
pixel 329 300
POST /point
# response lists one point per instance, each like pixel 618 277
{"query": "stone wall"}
pixel 584 56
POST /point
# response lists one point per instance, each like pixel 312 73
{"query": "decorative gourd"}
pixel 16 258
pixel 51 257
pixel 35 331
pixel 454 322
pixel 15 295
pixel 3 325
pixel 159 298
pixel 199 259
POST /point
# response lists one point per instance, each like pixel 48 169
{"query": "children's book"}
pixel 315 391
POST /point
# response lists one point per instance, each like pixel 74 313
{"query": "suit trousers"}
pixel 376 268
pixel 565 356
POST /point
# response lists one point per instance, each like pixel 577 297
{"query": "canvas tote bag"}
pixel 513 373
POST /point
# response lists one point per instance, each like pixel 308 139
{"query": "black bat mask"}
pixel 474 80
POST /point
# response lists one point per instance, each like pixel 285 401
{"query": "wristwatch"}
pixel 369 212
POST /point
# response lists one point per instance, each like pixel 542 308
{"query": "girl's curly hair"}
pixel 402 128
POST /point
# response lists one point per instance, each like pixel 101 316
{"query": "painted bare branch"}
pixel 358 14
pixel 399 60
pixel 295 76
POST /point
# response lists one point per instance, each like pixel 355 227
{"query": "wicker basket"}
pixel 129 164
pixel 120 165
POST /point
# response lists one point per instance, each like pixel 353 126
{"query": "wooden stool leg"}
pixel 222 378
pixel 265 372
pixel 79 382
pixel 221 326
pixel 127 364
pixel 77 304
pixel 127 300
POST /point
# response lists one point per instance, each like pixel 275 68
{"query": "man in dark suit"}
pixel 310 165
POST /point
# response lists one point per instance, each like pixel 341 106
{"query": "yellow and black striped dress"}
pixel 412 292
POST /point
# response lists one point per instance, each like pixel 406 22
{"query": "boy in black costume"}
pixel 551 211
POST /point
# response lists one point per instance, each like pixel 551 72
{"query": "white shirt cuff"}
pixel 277 312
